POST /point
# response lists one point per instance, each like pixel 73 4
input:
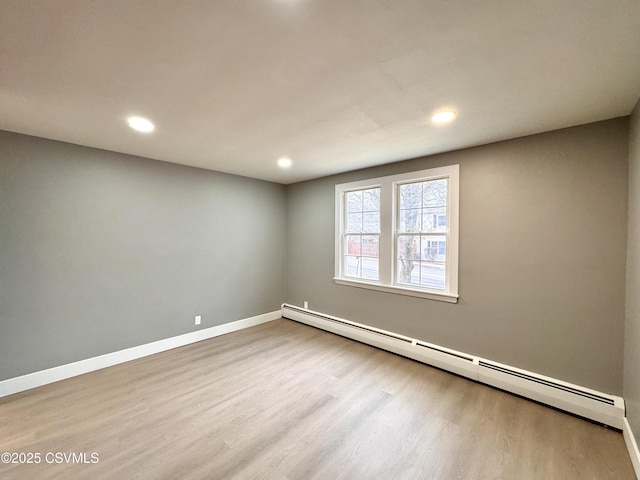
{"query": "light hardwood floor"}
pixel 286 401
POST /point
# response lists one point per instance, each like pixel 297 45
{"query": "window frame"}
pixel 346 233
pixel 389 186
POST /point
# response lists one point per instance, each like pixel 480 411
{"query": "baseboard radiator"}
pixel 593 405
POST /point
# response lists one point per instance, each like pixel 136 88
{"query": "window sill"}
pixel 442 297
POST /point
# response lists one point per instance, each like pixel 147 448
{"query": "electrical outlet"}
pixel 198 319
pixel 306 304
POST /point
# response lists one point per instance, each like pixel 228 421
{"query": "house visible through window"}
pixel 400 233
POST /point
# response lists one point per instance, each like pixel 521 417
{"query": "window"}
pixel 399 234
pixel 361 237
pixel 421 233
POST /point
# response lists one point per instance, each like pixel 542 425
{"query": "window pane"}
pixel 361 259
pixel 354 201
pixel 408 272
pixel 429 221
pixel 352 266
pixel 353 245
pixel 410 221
pixel 371 223
pixel 434 193
pixel 370 268
pixel 410 195
pixel 433 248
pixel 408 253
pixel 432 275
pixel 409 247
pixel 371 200
pixel 428 250
pixel 370 246
pixel 434 219
pixel 354 222
pixel 421 260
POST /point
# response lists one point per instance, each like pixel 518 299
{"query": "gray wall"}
pixel 542 255
pixel 101 251
pixel 632 326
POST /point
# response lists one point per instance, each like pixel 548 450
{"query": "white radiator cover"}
pixel 591 404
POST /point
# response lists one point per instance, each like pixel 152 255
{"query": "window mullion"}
pixel 386 233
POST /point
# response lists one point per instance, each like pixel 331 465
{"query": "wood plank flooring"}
pixel 285 401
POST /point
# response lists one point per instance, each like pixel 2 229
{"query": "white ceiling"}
pixel 232 85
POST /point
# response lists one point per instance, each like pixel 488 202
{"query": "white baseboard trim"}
pixel 55 374
pixel 632 446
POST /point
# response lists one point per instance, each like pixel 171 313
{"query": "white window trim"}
pixel 388 198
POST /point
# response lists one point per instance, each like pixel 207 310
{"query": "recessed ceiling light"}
pixel 141 124
pixel 443 117
pixel 284 162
